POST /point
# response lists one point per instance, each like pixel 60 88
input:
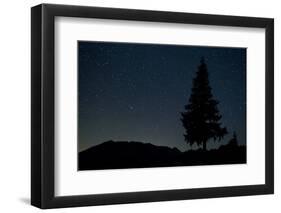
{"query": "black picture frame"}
pixel 43 113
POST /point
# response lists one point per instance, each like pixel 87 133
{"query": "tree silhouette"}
pixel 201 119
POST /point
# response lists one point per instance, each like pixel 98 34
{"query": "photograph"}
pixel 134 105
pixel 143 105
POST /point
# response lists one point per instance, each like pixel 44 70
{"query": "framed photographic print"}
pixel 140 106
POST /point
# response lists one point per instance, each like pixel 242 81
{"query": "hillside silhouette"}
pixel 124 154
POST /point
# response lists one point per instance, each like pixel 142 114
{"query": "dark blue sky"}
pixel 135 92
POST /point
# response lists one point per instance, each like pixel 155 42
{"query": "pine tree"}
pixel 201 119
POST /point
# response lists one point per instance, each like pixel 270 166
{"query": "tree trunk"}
pixel 204 146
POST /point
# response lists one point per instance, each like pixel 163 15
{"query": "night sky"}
pixel 136 92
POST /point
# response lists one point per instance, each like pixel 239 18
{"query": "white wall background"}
pixel 15 106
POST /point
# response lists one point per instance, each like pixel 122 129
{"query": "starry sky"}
pixel 136 92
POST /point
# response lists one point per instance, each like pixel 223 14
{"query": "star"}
pixel 131 107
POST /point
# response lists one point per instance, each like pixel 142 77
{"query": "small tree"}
pixel 201 119
pixel 233 142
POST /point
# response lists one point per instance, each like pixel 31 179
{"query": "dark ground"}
pixel 121 155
